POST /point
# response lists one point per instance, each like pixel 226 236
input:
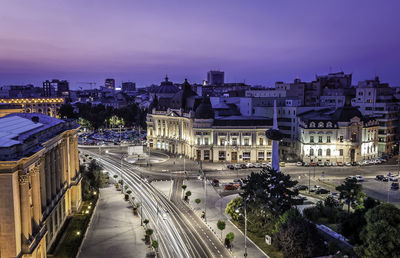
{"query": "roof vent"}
pixel 35 119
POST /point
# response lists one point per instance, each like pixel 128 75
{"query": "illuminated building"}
pixel 47 106
pixel 40 184
pixel 56 88
pixel 110 84
pixel 6 109
pixel 341 135
pixel 188 124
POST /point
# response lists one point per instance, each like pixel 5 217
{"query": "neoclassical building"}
pixel 40 184
pixel 188 124
pixel 337 135
pixel 47 106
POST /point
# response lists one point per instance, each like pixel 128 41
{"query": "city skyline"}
pixel 141 42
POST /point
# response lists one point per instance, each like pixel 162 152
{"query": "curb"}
pixel 89 225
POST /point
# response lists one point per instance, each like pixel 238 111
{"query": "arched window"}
pixel 320 124
pixel 328 152
pixel 311 152
pixel 329 124
pixel 319 152
pixel 312 124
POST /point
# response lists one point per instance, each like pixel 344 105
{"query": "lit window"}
pixel 328 152
pixel 311 138
pixel 328 138
pixel 319 152
pixel 319 138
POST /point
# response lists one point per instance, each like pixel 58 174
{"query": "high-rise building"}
pixel 40 183
pixel 128 86
pixel 216 77
pixel 56 88
pixel 110 84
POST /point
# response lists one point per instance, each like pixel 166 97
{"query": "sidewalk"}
pixel 114 231
pixel 216 211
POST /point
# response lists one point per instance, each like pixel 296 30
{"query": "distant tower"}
pixel 275 135
pixel 216 78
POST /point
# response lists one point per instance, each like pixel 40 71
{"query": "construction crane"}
pixel 89 83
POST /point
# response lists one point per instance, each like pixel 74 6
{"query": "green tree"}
pixel 284 218
pixel 154 244
pixel 67 111
pixel 350 191
pixel 221 226
pixel 298 238
pixel 187 195
pixel 148 232
pixel 270 190
pixel 381 235
pixel 229 239
pixel 146 221
pixel 233 207
pixel 184 189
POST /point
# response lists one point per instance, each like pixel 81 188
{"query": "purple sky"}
pixel 257 41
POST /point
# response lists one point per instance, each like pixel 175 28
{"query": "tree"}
pixel 148 232
pixel 197 201
pixel 233 207
pixel 298 238
pixel 187 195
pixel 229 239
pixel 221 226
pixel 184 189
pixel 115 176
pixel 349 191
pixel 381 235
pixel 146 221
pixel 284 218
pixel 67 111
pixel 270 190
pixel 154 244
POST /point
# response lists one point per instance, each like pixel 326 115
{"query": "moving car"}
pixel 359 178
pixel 395 186
pixel 215 182
pixel 380 177
pixel 230 187
pixel 301 187
pixel 322 191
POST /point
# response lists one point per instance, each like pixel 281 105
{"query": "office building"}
pixel 215 78
pixel 110 84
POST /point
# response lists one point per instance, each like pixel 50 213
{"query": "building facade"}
pixel 109 84
pixel 40 183
pixel 216 77
pixel 341 135
pixel 47 106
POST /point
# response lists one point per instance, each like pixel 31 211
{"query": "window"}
pixel 328 152
pixel 206 141
pixel 246 156
pixel 312 124
pixel 329 124
pixel 221 155
pixel 328 138
pixel 341 152
pixel 260 155
pixel 206 155
pixel 319 152
pixel 269 142
pixel 198 141
pixel 320 125
pixel 353 137
pixel 246 141
pixel 234 141
pixel 222 141
pixel 311 152
pixel 319 138
pixel 341 138
pixel 261 141
pixel 311 138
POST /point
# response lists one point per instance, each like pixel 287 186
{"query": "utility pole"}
pixel 245 229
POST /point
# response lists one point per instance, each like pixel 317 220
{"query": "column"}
pixel 57 168
pixel 76 153
pixel 65 162
pixel 35 180
pixel 42 177
pixel 48 177
pixel 72 157
pixel 53 173
pixel 26 225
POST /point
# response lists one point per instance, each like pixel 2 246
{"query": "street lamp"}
pixel 245 225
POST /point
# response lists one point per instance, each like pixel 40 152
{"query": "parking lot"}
pixel 111 137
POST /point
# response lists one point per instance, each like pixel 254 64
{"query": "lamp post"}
pixel 245 225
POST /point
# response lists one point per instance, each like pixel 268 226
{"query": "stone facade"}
pixel 38 191
pixel 47 106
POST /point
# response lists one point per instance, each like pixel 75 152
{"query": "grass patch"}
pixel 71 239
pixel 260 242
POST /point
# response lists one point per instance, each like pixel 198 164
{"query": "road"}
pixel 175 230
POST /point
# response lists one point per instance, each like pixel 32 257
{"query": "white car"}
pixel 347 164
pixel 250 165
pixel 237 166
pixel 299 164
pixel 334 164
pixel 257 165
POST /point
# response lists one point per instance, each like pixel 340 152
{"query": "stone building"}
pixel 47 106
pixel 188 124
pixel 341 135
pixel 40 184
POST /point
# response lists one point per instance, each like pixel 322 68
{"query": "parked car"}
pixel 320 163
pixel 230 187
pixel 230 166
pixel 340 164
pixel 334 164
pixel 215 182
pixel 313 164
pixel 359 178
pixel 257 165
pixel 347 164
pixel 250 165
pixel 380 177
pixel 395 186
pixel 301 187
pixel 299 164
pixel 328 163
pixel 238 181
pixel 354 163
pixel 393 178
pixel 237 166
pixel 243 166
pixel 282 164
pixel 315 188
pixel 306 164
pixel 322 191
pixel 264 165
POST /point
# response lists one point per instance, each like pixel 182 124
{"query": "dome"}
pixel 204 110
pixel 167 87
